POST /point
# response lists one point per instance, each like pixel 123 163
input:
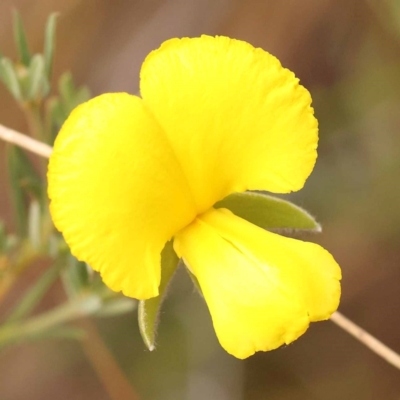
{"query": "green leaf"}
pixel 70 96
pixel 55 117
pixel 67 90
pixel 20 39
pixel 9 77
pixel 35 293
pixel 75 277
pixel 49 43
pixel 17 193
pixel 149 310
pixel 193 278
pixel 34 225
pixel 60 332
pixel 36 77
pixel 80 96
pixel 269 212
pixel 24 182
pixel 116 307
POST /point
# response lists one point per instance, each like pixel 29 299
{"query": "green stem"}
pixel 18 331
pixel 36 127
pixel 34 119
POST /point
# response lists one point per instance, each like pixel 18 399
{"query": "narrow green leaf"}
pixel 58 332
pixel 29 178
pixel 56 112
pixel 33 296
pixel 9 78
pixel 45 87
pixel 193 279
pixel 25 171
pixel 20 39
pixel 24 183
pixel 49 43
pixel 17 193
pixel 66 88
pixel 116 307
pixel 269 212
pixel 149 310
pixel 80 96
pixel 34 225
pixel 61 332
pixel 36 77
pixel 75 277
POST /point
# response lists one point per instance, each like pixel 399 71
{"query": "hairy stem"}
pixel 14 137
pixel 366 339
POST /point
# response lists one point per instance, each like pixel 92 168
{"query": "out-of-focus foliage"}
pixel 28 81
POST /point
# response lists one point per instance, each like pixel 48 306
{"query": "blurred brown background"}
pixel 347 52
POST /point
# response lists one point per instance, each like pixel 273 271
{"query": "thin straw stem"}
pixel 339 319
pixel 366 339
pixel 14 137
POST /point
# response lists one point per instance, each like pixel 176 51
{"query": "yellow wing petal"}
pixel 235 118
pixel 117 192
pixel 262 289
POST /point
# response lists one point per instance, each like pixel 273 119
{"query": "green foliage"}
pixel 20 39
pixel 25 183
pixel 269 212
pixel 35 293
pixel 49 43
pixel 149 310
pixel 75 276
pixel 28 81
pixel 9 77
pixel 38 85
pixel 70 96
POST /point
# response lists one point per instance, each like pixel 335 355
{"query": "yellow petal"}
pixel 262 289
pixel 117 191
pixel 235 118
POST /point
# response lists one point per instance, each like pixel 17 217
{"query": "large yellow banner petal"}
pixel 117 191
pixel 236 119
pixel 262 289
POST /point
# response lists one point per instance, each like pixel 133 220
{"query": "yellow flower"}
pixel 216 116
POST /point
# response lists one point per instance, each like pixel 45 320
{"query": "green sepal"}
pixel 66 88
pixel 75 277
pixel 10 79
pixel 25 183
pixel 193 278
pixel 20 39
pixel 49 43
pixel 149 310
pixel 269 212
pixel 117 306
pixel 37 80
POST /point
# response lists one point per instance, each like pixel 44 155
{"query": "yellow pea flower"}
pixel 216 116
